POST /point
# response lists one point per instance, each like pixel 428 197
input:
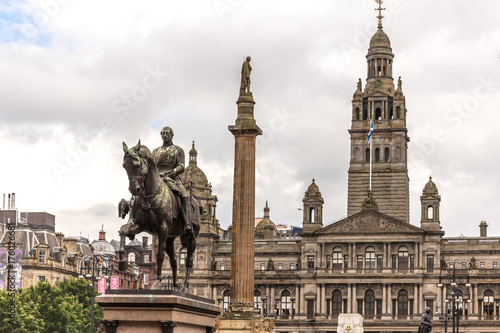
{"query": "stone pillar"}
pixel 323 299
pixel 389 298
pixel 476 301
pixel 349 298
pixel 242 245
pixel 297 299
pixel 354 299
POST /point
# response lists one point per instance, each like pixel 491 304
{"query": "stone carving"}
pixel 299 263
pixel 444 265
pixel 425 321
pixel 213 264
pixel 472 263
pixel 270 265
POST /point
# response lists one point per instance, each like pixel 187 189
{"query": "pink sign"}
pixel 114 283
pixel 101 286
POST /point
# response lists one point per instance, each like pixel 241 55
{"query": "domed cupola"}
pixel 430 200
pixel 313 209
pixel 266 229
pixel 193 173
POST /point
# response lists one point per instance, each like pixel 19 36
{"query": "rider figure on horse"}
pixel 169 160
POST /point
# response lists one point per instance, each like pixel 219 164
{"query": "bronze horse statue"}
pixel 155 209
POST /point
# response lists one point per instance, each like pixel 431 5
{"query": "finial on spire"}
pixel 379 16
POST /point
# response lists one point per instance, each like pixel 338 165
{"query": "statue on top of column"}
pixel 245 76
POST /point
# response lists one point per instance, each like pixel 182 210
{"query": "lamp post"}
pixel 94 273
pixel 453 295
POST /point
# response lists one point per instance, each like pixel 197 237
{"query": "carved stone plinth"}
pixel 243 319
pixel 157 311
pixel 350 323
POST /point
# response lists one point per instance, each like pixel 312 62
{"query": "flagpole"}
pixel 371 155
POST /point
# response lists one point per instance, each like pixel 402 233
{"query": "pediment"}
pixel 369 221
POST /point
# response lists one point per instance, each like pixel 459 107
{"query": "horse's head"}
pixel 136 166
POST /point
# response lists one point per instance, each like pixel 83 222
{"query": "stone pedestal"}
pixel 157 311
pixel 350 323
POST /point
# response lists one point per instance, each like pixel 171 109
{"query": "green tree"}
pixel 62 307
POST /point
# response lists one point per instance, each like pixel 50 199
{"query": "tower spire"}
pixel 379 16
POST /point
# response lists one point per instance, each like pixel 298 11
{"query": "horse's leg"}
pixel 191 247
pixel 160 257
pixel 173 260
pixel 122 257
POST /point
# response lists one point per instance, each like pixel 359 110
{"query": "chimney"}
pixel 4 201
pixel 8 202
pixel 13 198
pixel 144 242
pixel 102 234
pixel 483 229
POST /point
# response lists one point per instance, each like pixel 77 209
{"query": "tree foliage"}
pixel 63 307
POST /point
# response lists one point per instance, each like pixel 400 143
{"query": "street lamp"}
pixel 94 273
pixel 454 296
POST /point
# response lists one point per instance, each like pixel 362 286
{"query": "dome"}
pixel 313 190
pixel 194 174
pixel 380 39
pixel 103 247
pixel 430 188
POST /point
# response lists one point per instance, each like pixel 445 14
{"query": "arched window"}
pixel 336 302
pixel 311 214
pixel 369 303
pixel 357 113
pixel 337 258
pixel 378 113
pixel 226 299
pixel 403 258
pixel 370 258
pixel 488 302
pixel 365 114
pixel 367 155
pixel 402 303
pixel 398 112
pixel 386 155
pixel 377 155
pixel 131 257
pixel 286 303
pixel 257 300
pixel 430 213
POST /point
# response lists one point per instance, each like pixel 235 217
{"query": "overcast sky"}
pixel 79 77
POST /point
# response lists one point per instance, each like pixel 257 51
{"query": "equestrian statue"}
pixel 160 205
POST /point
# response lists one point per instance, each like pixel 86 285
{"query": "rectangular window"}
pixel 360 306
pixel 430 303
pixel 380 261
pixel 464 265
pixel 222 266
pixel 292 267
pixel 146 278
pixel 430 263
pixel 310 308
pixel 393 261
pixel 411 306
pixel 344 301
pixel 264 306
pixel 360 262
pixel 328 262
pixel 394 307
pixel 495 265
pixel 262 266
pixel 41 278
pixel 41 256
pixel 482 266
pixel 379 307
pixel 346 261
pixel 452 265
pixel 280 266
pixel 146 258
pixel 182 260
pixel 412 261
pixel 328 303
pixel 310 262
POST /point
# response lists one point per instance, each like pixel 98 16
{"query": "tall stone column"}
pixel 245 132
pixel 241 316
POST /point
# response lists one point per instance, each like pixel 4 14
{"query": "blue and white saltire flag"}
pixel 370 132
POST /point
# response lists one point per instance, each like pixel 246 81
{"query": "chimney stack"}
pixel 3 202
pixel 144 242
pixel 483 229
pixel 8 202
pixel 13 198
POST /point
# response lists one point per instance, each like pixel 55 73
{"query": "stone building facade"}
pixel 373 262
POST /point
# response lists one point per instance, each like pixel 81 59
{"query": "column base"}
pixel 242 319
